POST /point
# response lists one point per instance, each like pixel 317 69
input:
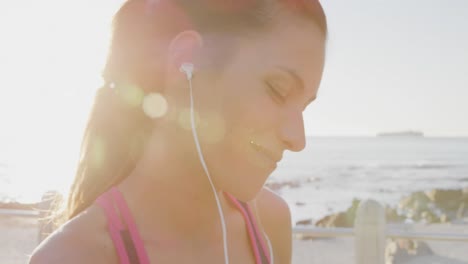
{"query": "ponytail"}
pixel 113 141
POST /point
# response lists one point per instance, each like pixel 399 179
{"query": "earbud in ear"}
pixel 187 67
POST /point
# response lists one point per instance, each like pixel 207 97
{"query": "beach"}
pixel 19 238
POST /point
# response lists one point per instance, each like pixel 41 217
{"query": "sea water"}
pixel 330 172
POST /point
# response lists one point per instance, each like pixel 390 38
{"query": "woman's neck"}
pixel 170 192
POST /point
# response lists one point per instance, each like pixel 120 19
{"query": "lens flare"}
pixel 154 105
pixel 131 94
pixel 184 119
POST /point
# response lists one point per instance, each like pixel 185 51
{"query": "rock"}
pixel 465 194
pixel 392 215
pixel 354 206
pixel 445 197
pixel 341 219
pixel 414 204
pixel 435 206
pixel 304 222
pixel 335 220
pixel 279 185
pixel 294 184
pixel 428 217
pixel 404 250
pixel 420 200
pixel 443 218
pixel 312 179
pixel 275 186
pixel 461 211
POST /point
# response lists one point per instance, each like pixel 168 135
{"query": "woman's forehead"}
pixel 298 47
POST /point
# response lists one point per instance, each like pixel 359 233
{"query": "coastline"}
pixel 441 205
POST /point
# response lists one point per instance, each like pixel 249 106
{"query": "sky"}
pixel 391 65
pixel 394 65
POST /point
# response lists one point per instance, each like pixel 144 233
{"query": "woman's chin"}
pixel 247 193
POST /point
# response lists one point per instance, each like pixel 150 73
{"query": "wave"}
pixel 418 166
pixel 413 166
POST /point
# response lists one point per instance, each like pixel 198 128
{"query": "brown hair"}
pixel 117 129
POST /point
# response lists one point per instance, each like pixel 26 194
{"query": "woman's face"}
pixel 252 111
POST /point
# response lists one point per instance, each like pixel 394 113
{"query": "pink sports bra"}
pixel 127 240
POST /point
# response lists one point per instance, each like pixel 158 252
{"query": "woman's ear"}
pixel 184 48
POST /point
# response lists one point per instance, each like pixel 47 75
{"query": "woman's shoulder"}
pixel 275 217
pixel 83 239
pixel 273 205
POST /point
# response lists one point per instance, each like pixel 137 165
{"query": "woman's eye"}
pixel 276 93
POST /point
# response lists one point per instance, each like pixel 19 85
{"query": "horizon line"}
pixel 376 136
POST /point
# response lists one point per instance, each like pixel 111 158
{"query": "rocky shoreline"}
pixel 427 207
pixel 436 208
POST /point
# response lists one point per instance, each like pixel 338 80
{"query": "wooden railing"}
pixel 370 233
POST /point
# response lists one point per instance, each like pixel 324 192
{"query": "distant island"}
pixel 409 133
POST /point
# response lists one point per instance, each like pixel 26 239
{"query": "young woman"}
pixel 201 99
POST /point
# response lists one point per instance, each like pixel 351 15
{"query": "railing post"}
pixel 369 228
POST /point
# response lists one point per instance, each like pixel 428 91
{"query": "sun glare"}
pixel 51 56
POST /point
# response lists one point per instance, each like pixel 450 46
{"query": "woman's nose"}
pixel 292 131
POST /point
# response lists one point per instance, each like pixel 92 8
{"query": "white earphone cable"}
pixel 202 160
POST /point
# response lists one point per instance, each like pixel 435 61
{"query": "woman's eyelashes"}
pixel 277 92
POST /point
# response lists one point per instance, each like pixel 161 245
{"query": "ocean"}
pixel 330 172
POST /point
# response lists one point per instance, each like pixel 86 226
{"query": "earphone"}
pixel 188 69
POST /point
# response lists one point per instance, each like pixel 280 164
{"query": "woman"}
pixel 201 99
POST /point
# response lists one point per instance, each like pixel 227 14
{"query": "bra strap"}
pixel 257 231
pixel 114 226
pixel 131 226
pixel 260 255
